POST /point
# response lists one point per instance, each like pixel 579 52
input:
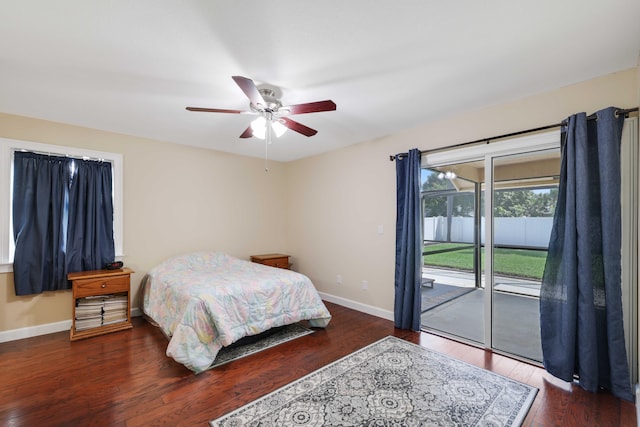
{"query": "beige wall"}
pixel 337 200
pixel 325 211
pixel 176 199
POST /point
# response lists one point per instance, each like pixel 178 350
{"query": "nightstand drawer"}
pixel 272 260
pixel 277 262
pixel 101 286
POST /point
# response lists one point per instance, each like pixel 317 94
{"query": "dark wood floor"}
pixel 125 379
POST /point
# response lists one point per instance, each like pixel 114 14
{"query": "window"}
pixel 7 148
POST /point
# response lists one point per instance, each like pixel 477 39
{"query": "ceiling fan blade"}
pixel 298 127
pixel 248 133
pixel 310 107
pixel 249 88
pixel 215 110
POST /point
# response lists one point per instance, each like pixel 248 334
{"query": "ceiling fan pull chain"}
pixel 267 141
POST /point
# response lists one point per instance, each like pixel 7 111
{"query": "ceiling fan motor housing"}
pixel 273 104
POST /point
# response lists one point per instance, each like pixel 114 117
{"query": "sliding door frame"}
pixel 630 174
pixel 629 179
pixel 486 153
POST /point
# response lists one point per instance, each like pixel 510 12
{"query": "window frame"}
pixel 8 147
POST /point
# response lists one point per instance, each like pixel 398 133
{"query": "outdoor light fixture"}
pixel 448 174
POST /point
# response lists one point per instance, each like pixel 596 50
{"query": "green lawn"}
pixel 509 262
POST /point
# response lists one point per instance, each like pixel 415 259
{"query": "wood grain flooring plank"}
pixel 125 378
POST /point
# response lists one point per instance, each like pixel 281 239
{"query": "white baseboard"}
pixel 365 308
pixel 34 331
pixel 557 382
pixel 48 328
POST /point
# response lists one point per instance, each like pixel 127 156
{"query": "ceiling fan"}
pixel 263 101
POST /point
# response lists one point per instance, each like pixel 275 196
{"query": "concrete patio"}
pixel 515 312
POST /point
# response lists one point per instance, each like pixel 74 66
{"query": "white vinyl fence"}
pixel 522 231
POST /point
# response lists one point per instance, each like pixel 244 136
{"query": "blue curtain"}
pixel 408 274
pixel 62 220
pixel 90 231
pixel 39 206
pixel 581 298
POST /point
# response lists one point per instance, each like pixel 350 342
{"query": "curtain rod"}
pixel 69 156
pixel 621 112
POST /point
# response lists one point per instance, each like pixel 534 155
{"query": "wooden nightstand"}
pixel 101 302
pixel 272 260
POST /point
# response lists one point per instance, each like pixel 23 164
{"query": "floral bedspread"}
pixel 206 300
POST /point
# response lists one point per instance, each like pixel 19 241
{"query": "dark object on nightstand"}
pixel 114 265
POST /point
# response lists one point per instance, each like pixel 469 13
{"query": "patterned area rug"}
pixel 391 382
pixel 256 343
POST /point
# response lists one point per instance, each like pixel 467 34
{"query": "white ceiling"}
pixel 133 66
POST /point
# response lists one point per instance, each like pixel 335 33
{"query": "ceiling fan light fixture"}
pixel 259 127
pixel 278 128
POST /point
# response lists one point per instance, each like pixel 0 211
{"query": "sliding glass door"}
pixel 452 251
pixel 525 191
pixel 486 231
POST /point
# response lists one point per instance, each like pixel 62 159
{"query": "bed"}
pixel 207 300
